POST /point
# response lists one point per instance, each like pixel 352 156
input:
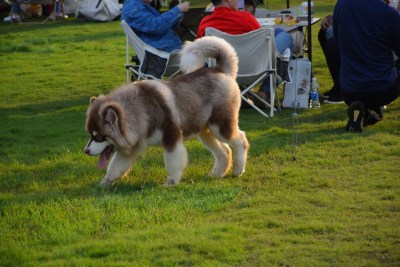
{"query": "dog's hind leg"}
pixel 221 151
pixel 238 141
pixel 240 146
pixel 175 162
pixel 120 164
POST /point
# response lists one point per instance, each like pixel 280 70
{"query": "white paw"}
pixel 237 171
pixel 106 183
pixel 170 182
pixel 219 173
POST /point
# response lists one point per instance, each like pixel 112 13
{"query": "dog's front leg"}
pixel 175 163
pixel 120 164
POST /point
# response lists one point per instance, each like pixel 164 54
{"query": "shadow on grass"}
pixel 36 132
pixel 80 33
pixel 280 131
pixel 36 25
pixel 45 107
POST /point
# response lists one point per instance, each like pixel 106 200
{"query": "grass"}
pixel 332 199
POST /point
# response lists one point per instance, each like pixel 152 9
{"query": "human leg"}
pixel 15 13
pixel 16 8
pixel 332 58
pixel 373 103
pixel 356 115
pixel 283 40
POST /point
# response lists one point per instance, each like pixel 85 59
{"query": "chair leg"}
pixel 254 106
pixel 272 94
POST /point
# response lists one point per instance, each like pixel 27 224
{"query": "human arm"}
pixel 326 22
pixel 144 18
pixel 335 20
pixel 184 7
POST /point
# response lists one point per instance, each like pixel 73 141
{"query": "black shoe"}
pixel 334 99
pixel 333 91
pixel 356 117
pixel 372 116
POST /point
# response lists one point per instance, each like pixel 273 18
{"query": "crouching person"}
pixel 369 77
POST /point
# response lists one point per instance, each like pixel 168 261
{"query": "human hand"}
pixel 184 7
pixel 326 22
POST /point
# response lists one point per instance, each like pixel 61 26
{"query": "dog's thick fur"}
pixel 203 102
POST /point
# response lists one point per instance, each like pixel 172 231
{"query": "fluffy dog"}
pixel 202 102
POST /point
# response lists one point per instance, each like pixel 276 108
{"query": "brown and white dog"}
pixel 203 102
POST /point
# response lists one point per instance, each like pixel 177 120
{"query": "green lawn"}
pixel 312 194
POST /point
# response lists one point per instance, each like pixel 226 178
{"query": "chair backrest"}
pixel 138 45
pixel 154 63
pixel 255 50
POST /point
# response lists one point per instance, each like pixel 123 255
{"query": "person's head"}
pixel 250 6
pixel 232 4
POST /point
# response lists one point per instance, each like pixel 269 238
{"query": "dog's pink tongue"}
pixel 102 161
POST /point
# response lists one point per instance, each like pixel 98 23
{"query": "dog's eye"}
pixel 98 138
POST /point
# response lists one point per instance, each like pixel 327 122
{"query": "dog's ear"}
pixel 92 99
pixel 111 115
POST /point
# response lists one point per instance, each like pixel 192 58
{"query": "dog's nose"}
pixel 86 150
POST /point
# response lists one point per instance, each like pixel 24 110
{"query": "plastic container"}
pixel 314 94
pixel 304 8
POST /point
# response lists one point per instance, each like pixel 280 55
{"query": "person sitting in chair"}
pixel 227 18
pixel 154 28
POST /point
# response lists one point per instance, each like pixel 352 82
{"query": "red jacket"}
pixel 228 21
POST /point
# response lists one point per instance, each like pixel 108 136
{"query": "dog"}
pixel 203 102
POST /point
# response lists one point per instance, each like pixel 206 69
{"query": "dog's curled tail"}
pixel 194 55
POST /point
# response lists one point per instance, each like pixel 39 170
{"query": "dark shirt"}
pixel 368 32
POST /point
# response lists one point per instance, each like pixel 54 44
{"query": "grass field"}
pixel 312 195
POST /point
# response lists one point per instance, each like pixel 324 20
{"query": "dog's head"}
pixel 103 123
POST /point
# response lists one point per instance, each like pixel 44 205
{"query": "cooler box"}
pixel 298 90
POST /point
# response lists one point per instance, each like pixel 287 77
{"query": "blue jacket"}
pixel 154 28
pixel 368 32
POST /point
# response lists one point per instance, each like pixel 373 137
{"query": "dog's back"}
pixel 208 92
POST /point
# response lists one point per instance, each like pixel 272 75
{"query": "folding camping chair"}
pixel 190 23
pixel 257 60
pixel 150 63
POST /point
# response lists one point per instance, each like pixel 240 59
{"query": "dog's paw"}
pixel 106 183
pixel 216 174
pixel 170 183
pixel 237 171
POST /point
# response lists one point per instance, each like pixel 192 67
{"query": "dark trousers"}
pixel 373 101
pixel 332 57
